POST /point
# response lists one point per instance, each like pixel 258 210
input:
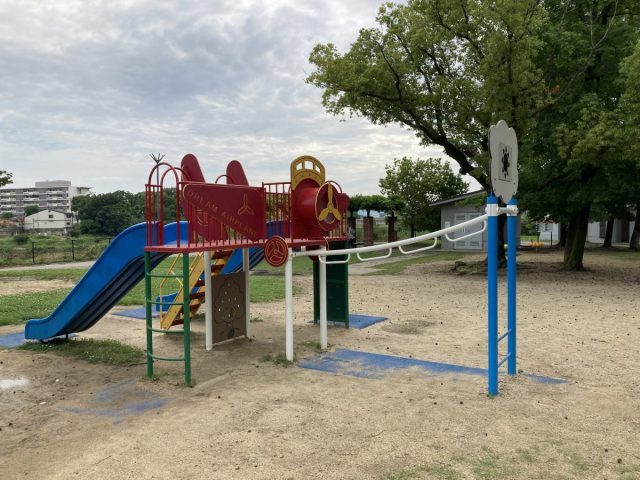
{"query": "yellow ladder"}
pixel 174 314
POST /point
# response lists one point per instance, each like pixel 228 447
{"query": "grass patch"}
pixel 490 466
pixel 279 359
pixel 629 472
pixel 92 351
pixel 314 345
pixel 440 472
pixel 393 268
pixel 18 308
pixel 71 274
pixel 525 455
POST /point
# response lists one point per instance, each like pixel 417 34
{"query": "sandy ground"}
pixel 248 419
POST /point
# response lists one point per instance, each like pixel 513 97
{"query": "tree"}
pixel 105 214
pixel 5 178
pixel 419 183
pixel 31 209
pixel 573 167
pixel 446 69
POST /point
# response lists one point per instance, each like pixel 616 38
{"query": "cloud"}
pixel 93 87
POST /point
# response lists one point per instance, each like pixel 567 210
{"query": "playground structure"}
pixel 236 225
pixel 307 212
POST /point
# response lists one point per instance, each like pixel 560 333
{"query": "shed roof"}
pixel 447 201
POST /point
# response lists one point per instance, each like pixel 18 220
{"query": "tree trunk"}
pixel 635 235
pixel 576 239
pixel 392 235
pixel 367 224
pixel 562 241
pixel 608 234
pixel 413 230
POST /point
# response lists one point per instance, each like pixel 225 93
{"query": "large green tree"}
pixel 105 214
pixel 419 183
pixel 574 154
pixel 446 69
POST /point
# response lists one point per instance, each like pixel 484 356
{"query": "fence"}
pixel 43 250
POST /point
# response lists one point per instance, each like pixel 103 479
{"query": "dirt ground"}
pixel 247 419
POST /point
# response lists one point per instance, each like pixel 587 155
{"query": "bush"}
pixel 75 231
pixel 21 238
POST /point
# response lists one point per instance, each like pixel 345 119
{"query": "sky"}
pixel 90 88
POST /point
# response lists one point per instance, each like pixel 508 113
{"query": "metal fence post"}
pixel 33 252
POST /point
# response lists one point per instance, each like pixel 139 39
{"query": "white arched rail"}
pixel 398 244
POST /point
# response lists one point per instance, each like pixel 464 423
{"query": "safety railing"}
pixel 397 244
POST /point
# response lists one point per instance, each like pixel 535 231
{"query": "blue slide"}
pixel 115 272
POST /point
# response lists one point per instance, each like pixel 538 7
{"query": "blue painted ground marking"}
pixel 356 321
pixel 12 340
pixel 139 313
pixel 376 366
pixel 120 400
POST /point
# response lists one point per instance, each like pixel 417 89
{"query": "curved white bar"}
pixel 417 250
pixel 454 240
pixel 368 259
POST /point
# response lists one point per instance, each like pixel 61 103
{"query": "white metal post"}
pixel 245 268
pixel 288 300
pixel 323 303
pixel 208 306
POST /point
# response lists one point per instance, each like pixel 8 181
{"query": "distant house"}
pixel 550 231
pixel 461 209
pixel 49 221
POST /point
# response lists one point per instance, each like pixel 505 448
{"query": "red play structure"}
pixel 226 217
pixel 306 211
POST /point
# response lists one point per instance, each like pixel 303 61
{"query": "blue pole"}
pixel 492 292
pixel 512 239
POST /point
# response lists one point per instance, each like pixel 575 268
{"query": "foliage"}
pixel 355 204
pixel 31 209
pixel 419 183
pixel 373 202
pixel 443 68
pixel 577 168
pixel 5 178
pixel 7 215
pixel 111 213
pixel 448 69
pixel 110 352
pixel 20 238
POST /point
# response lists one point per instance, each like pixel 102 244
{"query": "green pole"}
pixel 185 312
pixel 147 304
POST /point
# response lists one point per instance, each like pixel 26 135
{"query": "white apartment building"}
pixel 50 194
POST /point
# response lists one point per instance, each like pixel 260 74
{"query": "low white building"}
pixel 49 221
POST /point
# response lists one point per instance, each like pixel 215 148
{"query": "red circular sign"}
pixel 276 251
